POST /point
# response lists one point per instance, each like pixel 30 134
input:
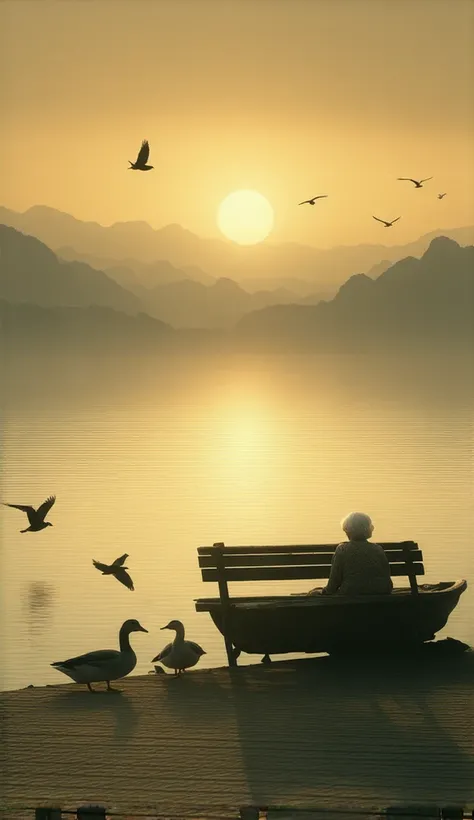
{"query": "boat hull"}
pixel 321 623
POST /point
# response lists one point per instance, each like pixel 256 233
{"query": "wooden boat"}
pixel 280 624
pixel 323 623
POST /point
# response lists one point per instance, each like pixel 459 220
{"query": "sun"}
pixel 245 217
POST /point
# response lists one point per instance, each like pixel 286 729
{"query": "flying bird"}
pixel 416 183
pixel 140 163
pixel 36 517
pixel 117 570
pixel 385 223
pixel 313 200
pixel 440 196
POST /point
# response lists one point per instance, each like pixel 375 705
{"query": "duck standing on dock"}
pixel 104 664
pixel 180 654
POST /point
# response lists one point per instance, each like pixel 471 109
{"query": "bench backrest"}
pixel 222 564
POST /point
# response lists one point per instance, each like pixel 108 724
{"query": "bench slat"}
pixel 299 548
pixel 287 573
pixel 292 559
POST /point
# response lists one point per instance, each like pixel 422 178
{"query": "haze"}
pixel 288 97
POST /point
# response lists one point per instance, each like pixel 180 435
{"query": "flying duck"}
pixel 36 517
pixel 117 570
pixel 180 654
pixel 104 664
pixel 440 196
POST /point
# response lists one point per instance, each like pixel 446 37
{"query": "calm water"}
pixel 159 457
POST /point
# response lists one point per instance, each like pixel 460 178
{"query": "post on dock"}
pixel 249 813
pixel 91 813
pixel 225 602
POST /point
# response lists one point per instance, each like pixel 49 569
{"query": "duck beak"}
pixel 142 629
pixel 164 627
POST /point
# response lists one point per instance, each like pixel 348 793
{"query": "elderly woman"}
pixel 359 567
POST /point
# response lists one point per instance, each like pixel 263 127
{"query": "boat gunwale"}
pixel 301 600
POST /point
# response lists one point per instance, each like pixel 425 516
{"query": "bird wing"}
pixel 407 179
pixel 198 649
pixel 426 180
pixel 143 153
pixel 99 566
pixel 30 511
pixel 395 220
pixel 379 220
pixel 304 202
pixel 45 507
pixel 164 652
pixel 90 658
pixel 321 196
pixel 124 578
pixel 120 561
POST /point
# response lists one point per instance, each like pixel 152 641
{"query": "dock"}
pixel 317 732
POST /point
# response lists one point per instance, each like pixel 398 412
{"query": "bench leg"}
pixel 266 660
pixel 232 653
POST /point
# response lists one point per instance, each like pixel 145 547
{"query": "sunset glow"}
pixel 245 217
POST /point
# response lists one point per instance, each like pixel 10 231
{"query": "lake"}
pixel 159 456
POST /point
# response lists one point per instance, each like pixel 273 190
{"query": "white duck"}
pixel 180 654
pixel 104 664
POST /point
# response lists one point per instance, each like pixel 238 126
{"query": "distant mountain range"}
pixel 426 302
pixel 30 329
pixel 136 275
pixel 298 268
pixel 31 272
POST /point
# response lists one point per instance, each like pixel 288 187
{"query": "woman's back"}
pixel 360 568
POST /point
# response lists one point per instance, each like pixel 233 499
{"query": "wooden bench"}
pixel 223 565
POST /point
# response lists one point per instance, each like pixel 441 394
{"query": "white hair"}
pixel 357 526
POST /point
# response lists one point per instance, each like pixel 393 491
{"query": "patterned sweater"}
pixel 359 568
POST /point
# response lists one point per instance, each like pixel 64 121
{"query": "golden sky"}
pixel 288 97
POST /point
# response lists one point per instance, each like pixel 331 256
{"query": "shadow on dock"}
pixel 334 731
pixel 115 708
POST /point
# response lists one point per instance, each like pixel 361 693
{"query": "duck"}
pixel 180 654
pixel 104 665
pixel 36 517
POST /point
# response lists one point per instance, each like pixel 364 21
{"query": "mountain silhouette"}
pixel 325 269
pixel 428 300
pixel 30 329
pixel 191 304
pixel 31 272
pixel 138 274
